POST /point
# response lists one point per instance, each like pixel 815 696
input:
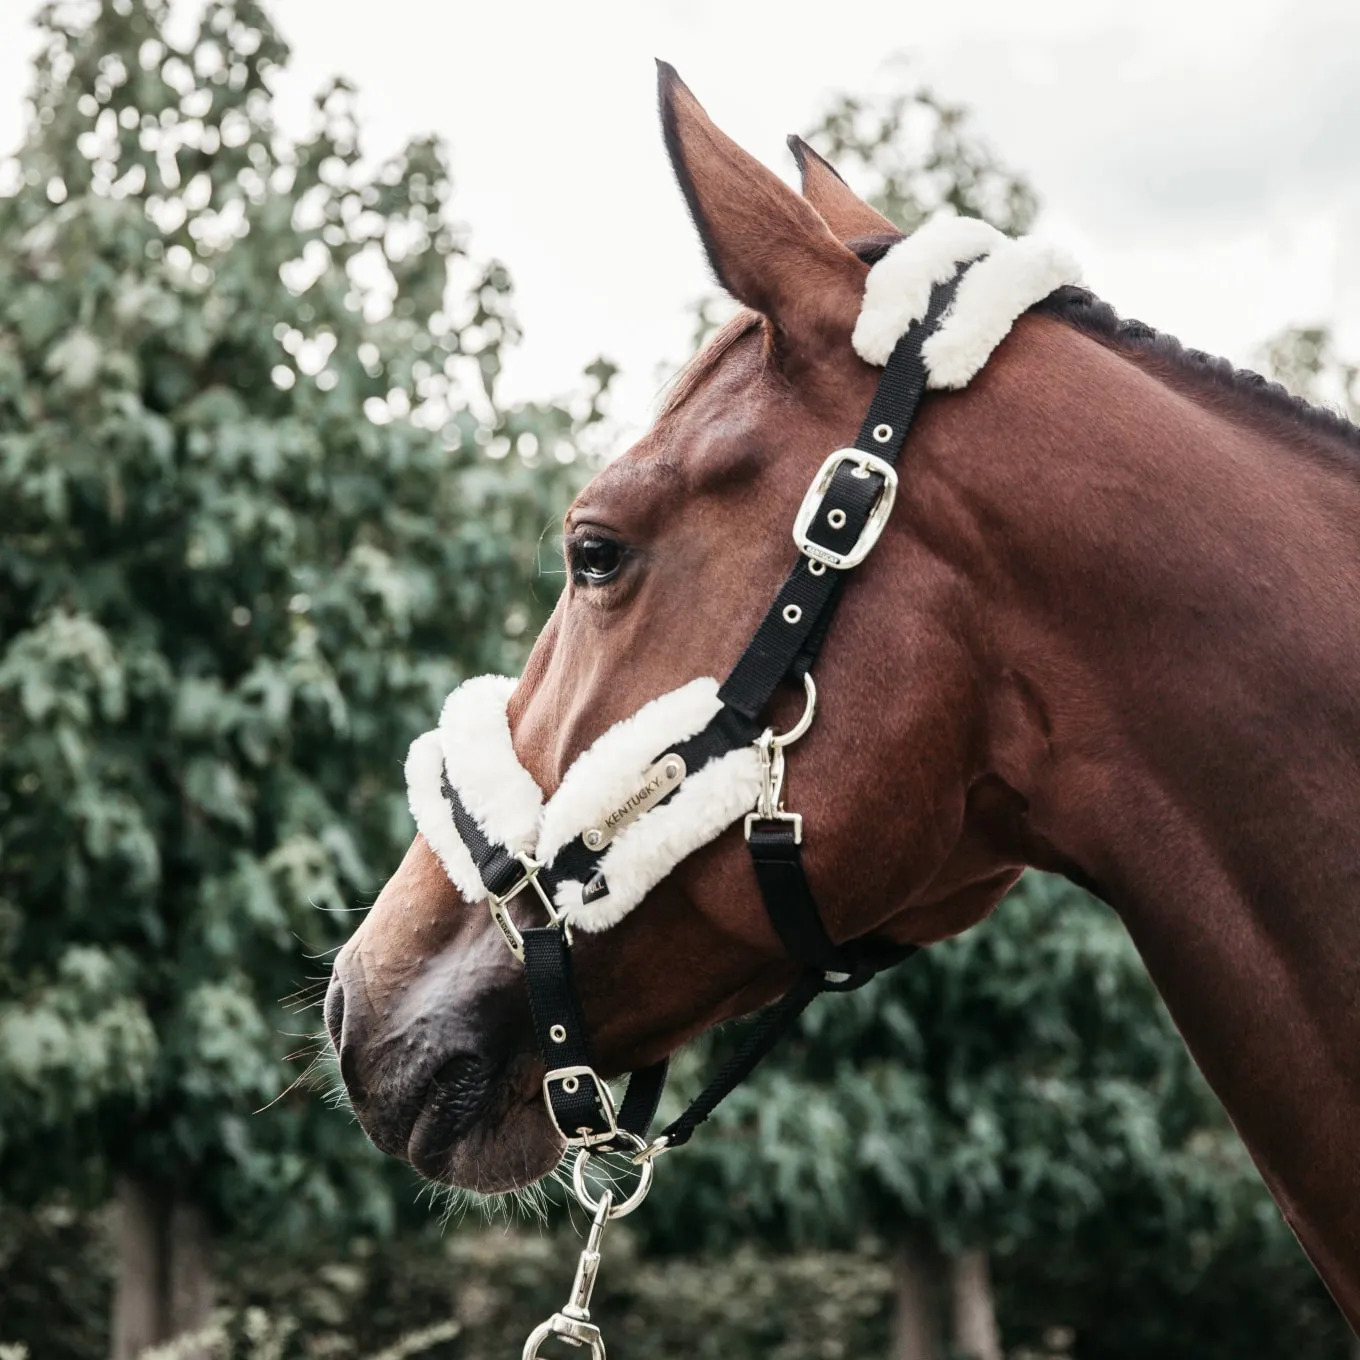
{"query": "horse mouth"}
pixel 458 1097
pixel 481 1126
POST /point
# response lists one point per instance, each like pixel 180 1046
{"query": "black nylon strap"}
pixel 781 648
pixel 498 868
pixel 767 1029
pixel 777 859
pixel 560 1028
pixel 642 1098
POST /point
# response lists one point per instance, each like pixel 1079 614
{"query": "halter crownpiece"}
pixel 687 765
pixel 1007 276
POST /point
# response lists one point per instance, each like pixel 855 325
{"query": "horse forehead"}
pixel 718 436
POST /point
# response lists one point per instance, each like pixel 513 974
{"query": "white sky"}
pixel 1202 157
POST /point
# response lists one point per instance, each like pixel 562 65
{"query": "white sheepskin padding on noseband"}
pixel 480 759
pixel 1009 278
pixel 434 820
pixel 603 776
pixel 704 806
pixel 473 749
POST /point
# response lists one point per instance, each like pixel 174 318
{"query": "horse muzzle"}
pixel 442 1071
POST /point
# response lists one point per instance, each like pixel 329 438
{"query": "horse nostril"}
pixel 349 1074
pixel 334 1011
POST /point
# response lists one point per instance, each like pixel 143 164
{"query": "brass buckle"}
pixel 865 464
pixel 501 916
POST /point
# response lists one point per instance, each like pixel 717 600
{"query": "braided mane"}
pixel 1087 313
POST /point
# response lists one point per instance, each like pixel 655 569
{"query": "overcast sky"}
pixel 1201 157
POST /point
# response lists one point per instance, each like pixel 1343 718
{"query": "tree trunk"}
pixel 138 1292
pixel 189 1293
pixel 165 1285
pixel 916 1324
pixel 976 1335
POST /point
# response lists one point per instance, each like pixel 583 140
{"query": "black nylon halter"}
pixel 785 646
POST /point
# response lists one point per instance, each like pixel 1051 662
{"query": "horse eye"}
pixel 595 561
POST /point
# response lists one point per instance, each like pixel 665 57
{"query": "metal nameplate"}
pixel 656 783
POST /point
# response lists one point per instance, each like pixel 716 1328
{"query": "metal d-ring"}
pixel 799 729
pixel 625 1206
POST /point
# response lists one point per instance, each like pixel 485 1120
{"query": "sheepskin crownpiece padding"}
pixel 1009 277
pixel 472 749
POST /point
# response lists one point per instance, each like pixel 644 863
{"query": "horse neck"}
pixel 1178 594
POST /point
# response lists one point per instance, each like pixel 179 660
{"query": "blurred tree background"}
pixel 262 509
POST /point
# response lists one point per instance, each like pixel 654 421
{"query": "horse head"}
pixel 674 551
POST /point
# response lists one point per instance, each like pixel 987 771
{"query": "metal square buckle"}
pixel 864 465
pixel 604 1099
pixel 796 818
pixel 501 916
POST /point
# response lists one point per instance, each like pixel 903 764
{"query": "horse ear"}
pixel 841 208
pixel 767 246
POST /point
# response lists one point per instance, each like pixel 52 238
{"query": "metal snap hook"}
pixel 572 1322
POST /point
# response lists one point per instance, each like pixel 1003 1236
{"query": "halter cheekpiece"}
pixel 687 765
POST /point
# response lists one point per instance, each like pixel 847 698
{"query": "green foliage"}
pixel 1306 360
pixel 262 511
pixel 487 1289
pixel 1092 1296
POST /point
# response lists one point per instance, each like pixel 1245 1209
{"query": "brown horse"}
pixel 1112 630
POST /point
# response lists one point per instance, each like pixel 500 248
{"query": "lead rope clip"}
pixel 572 1321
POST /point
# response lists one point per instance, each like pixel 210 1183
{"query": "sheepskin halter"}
pixel 687 765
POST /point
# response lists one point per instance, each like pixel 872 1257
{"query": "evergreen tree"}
pixel 262 511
